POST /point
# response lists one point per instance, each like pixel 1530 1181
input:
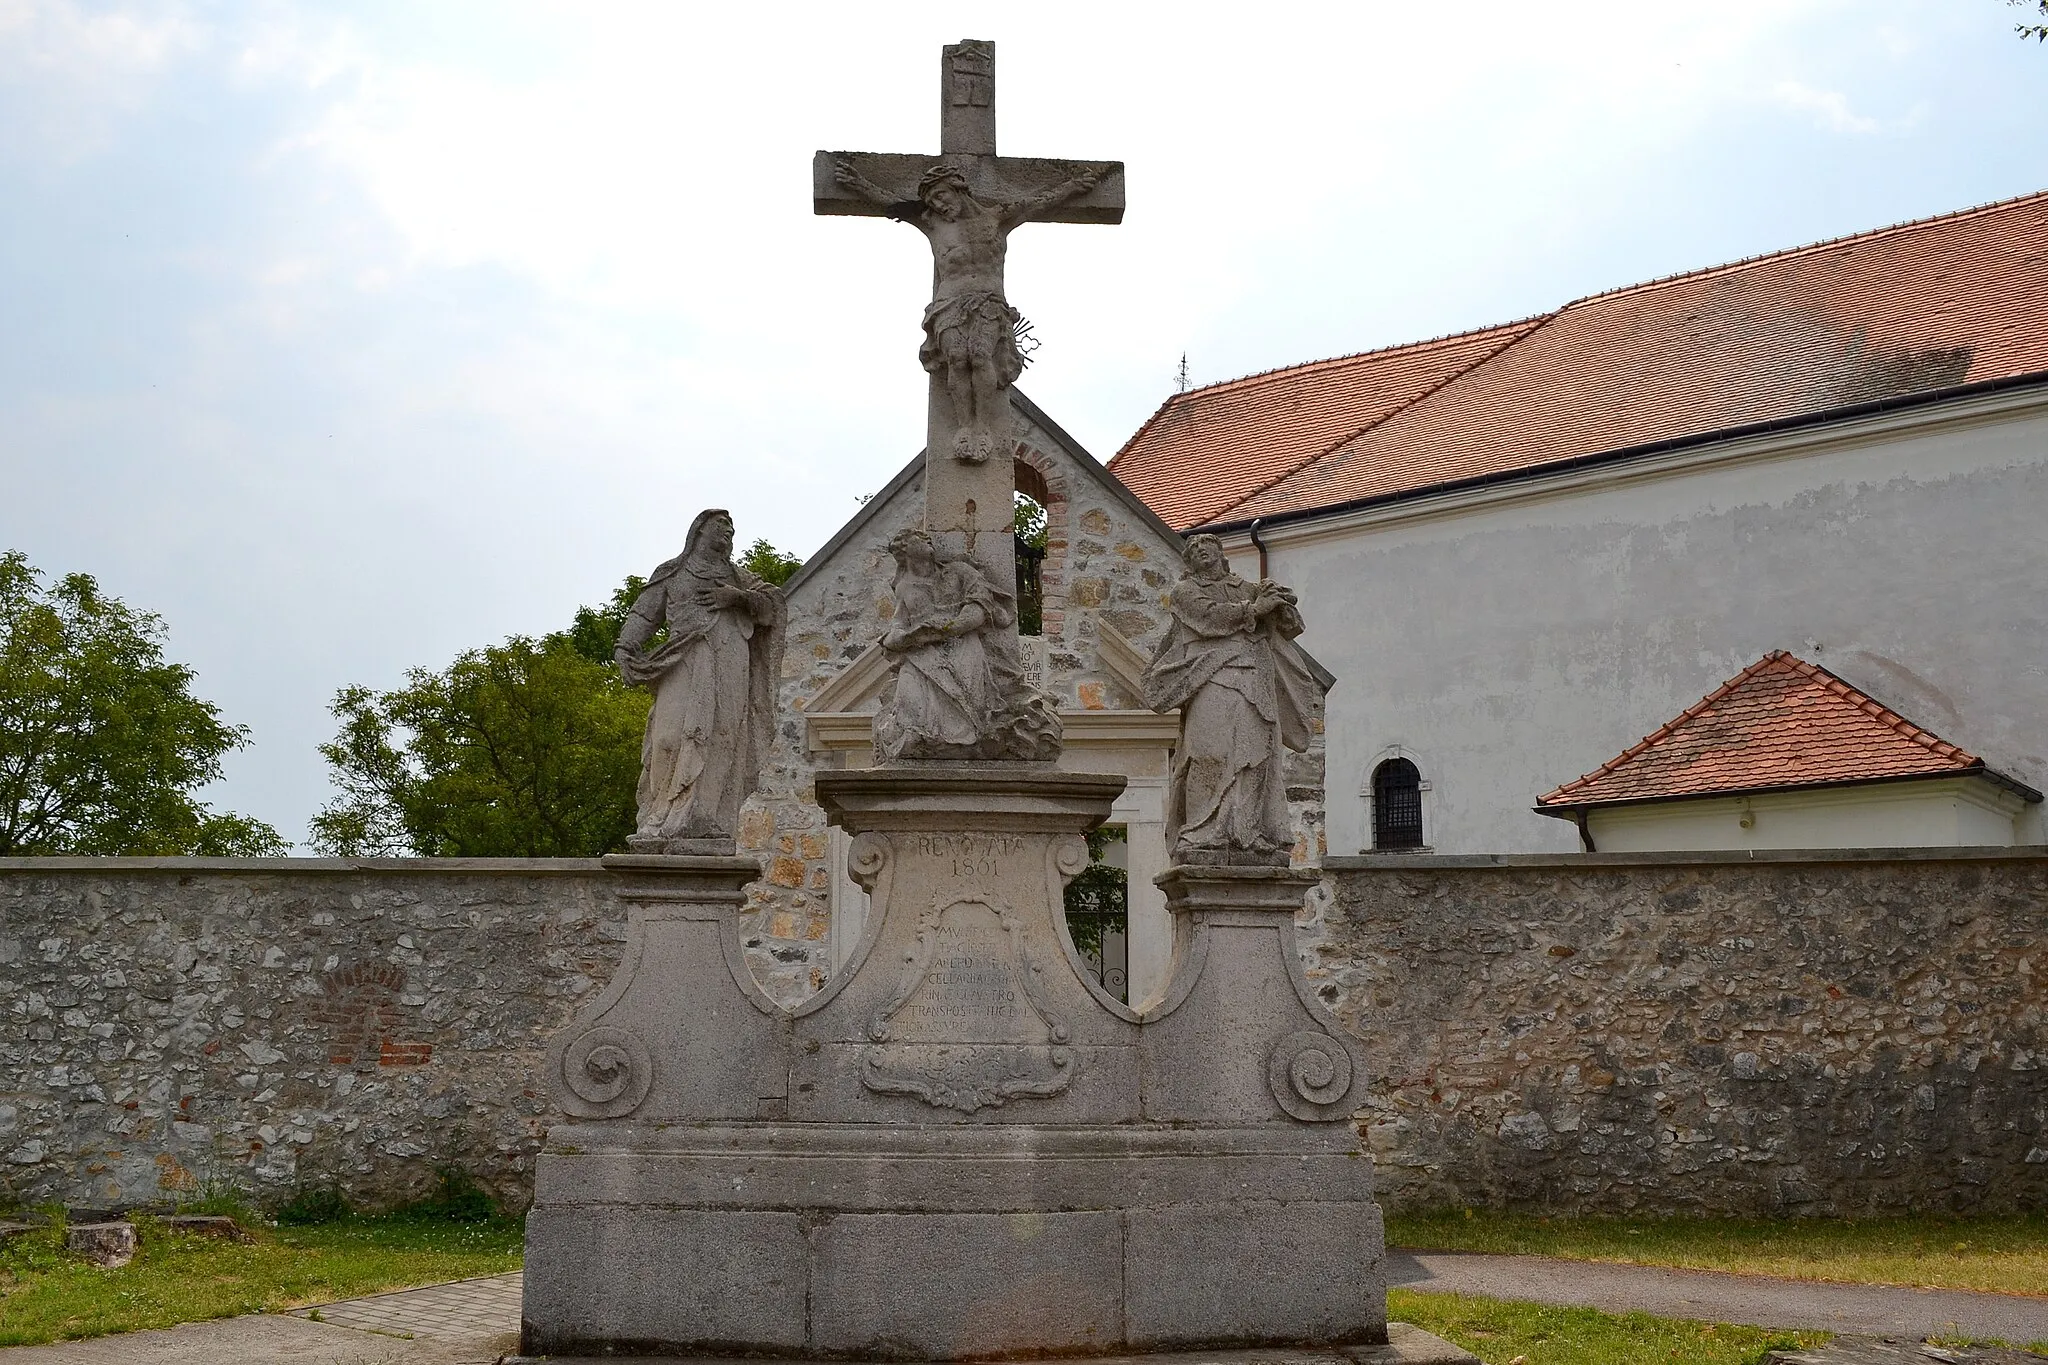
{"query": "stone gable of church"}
pixel 1109 565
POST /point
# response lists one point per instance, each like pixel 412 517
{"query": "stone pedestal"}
pixel 962 1147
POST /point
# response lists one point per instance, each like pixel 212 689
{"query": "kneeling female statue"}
pixel 957 694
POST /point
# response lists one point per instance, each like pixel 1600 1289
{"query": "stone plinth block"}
pixel 965 997
pixel 945 1243
pixel 682 1031
pixel 1239 1037
pixel 962 1147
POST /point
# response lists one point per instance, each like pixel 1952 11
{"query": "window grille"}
pixel 1098 917
pixel 1396 805
pixel 1030 596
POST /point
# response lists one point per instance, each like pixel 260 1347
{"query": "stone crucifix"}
pixel 966 200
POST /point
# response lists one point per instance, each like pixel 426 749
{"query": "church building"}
pixel 1523 549
pixel 1530 555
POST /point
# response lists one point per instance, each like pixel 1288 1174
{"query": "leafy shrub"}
pixel 457 1199
pixel 309 1208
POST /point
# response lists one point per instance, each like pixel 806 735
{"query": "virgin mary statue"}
pixel 714 679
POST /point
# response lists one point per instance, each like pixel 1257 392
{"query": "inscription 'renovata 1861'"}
pixel 967 1026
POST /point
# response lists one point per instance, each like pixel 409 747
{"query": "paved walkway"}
pixel 457 1311
pixel 1754 1300
pixel 474 1322
pixel 465 1322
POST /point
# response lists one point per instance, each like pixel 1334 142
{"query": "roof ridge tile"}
pixel 1279 372
pixel 1806 248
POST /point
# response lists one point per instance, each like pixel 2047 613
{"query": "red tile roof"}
pixel 1781 722
pixel 1919 307
pixel 1208 449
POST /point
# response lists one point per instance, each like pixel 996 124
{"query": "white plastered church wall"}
pixel 1963 812
pixel 1520 635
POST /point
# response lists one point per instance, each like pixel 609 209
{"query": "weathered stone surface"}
pixel 1246 696
pixel 681 1031
pixel 967 200
pixel 1218 1273
pixel 714 679
pixel 1238 1038
pixel 288 1022
pixel 840 603
pixel 1840 1034
pixel 958 689
pixel 965 1124
pixel 1042 1282
pixel 906 1224
pixel 726 1280
pixel 107 1245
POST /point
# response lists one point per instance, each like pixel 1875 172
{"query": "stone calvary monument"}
pixel 962 1147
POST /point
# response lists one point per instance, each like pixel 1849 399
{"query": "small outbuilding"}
pixel 1787 755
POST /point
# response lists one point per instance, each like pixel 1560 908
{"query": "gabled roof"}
pixel 857 526
pixel 1918 308
pixel 1780 723
pixel 1209 449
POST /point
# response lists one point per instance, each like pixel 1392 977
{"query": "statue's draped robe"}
pixel 1244 692
pixel 946 692
pixel 714 682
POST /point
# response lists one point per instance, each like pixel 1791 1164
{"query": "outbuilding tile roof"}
pixel 1782 722
pixel 1915 308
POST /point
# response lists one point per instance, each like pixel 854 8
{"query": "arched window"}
pixel 1032 531
pixel 1396 805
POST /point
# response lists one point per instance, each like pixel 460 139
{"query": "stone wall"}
pixel 1839 1033
pixel 1803 1033
pixel 167 1024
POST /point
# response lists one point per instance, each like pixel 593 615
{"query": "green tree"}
pixel 102 743
pixel 526 749
pixel 769 563
pixel 2038 32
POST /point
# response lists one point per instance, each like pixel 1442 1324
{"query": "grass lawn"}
pixel 2007 1255
pixel 46 1295
pixel 1539 1334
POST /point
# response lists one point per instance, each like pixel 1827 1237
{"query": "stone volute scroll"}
pixel 706 637
pixel 1245 694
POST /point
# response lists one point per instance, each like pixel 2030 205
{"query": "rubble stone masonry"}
pixel 173 1024
pixel 1840 1033
pixel 1831 1033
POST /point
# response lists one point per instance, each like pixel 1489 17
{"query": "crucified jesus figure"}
pixel 970 330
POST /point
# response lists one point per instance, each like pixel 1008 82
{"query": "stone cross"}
pixel 966 200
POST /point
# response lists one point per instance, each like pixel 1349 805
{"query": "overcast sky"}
pixel 348 337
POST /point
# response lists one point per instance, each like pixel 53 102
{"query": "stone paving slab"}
pixel 1711 1296
pixel 1406 1345
pixel 455 1311
pixel 262 1339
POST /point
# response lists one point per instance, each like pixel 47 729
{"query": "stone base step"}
pixel 1406 1345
